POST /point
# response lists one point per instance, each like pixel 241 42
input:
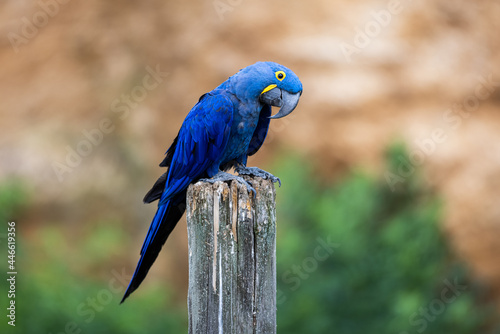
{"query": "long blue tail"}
pixel 163 223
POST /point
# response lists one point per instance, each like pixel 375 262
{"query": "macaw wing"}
pixel 201 142
pixel 260 132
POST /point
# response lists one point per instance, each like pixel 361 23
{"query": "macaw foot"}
pixel 255 171
pixel 226 177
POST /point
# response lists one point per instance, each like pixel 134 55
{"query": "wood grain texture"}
pixel 232 257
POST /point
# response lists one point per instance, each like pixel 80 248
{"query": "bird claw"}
pixel 255 171
pixel 226 177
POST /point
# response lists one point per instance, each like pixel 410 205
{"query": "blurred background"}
pixel 392 156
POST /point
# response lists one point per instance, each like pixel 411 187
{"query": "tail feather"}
pixel 163 223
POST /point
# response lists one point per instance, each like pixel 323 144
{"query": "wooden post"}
pixel 232 257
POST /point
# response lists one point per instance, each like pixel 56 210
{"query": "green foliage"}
pixel 13 195
pixel 75 287
pixel 70 282
pixel 356 257
pixel 353 257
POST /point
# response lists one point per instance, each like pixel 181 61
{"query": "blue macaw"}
pixel 226 126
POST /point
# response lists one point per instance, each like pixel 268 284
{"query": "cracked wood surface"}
pixel 232 257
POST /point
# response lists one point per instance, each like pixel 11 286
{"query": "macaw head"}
pixel 270 83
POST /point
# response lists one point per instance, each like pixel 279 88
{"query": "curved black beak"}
pixel 280 98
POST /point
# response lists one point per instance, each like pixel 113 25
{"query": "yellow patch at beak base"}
pixel 268 88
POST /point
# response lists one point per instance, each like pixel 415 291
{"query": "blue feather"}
pixel 226 125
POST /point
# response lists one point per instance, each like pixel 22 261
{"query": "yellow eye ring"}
pixel 280 75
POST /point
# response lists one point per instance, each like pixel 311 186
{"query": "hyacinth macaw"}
pixel 226 126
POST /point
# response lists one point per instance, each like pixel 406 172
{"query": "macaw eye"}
pixel 280 75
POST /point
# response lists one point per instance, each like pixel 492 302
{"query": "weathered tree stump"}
pixel 232 257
